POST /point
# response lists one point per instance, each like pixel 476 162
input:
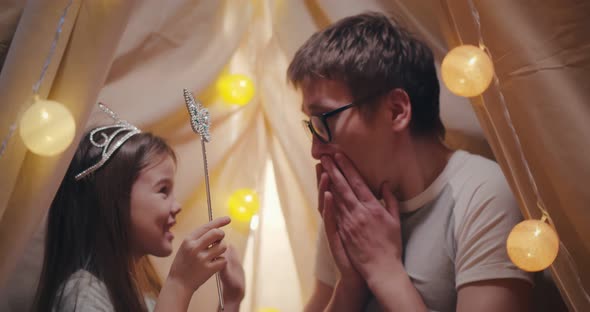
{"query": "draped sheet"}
pixel 189 43
pixel 541 54
pixel 74 78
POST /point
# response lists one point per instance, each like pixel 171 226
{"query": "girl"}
pixel 114 207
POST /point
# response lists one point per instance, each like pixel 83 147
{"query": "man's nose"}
pixel 318 148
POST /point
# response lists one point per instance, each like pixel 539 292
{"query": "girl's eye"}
pixel 164 190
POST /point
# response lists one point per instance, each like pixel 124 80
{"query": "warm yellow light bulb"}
pixel 269 310
pixel 467 70
pixel 235 89
pixel 243 204
pixel 532 245
pixel 47 128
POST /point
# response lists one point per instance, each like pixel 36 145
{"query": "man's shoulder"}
pixel 480 187
pixel 479 173
pixel 482 190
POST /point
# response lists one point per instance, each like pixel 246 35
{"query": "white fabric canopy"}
pixel 189 43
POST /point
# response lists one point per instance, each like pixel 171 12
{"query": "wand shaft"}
pixel 206 165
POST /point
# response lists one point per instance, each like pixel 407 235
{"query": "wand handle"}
pixel 206 165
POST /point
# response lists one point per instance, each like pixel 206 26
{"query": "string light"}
pixel 48 112
pixel 47 127
pixel 467 70
pixel 525 231
pixel 243 204
pixel 532 245
pixel 235 89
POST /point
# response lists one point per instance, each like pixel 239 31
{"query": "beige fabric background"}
pixel 75 76
pixel 146 52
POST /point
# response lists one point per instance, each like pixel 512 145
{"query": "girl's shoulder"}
pixel 84 291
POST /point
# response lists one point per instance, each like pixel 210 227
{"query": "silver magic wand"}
pixel 201 122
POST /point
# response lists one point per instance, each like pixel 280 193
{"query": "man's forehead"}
pixel 308 107
pixel 323 93
pixel 314 85
pixel 316 103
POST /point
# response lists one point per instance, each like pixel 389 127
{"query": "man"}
pixel 438 243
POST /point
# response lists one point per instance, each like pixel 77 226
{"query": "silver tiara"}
pixel 109 144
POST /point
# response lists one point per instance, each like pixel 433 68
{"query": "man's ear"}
pixel 399 108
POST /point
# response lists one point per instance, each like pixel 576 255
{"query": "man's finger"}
pixel 338 183
pixel 329 217
pixel 356 182
pixel 391 203
pixel 322 188
pixel 318 172
pixel 338 206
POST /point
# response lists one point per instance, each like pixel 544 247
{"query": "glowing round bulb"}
pixel 235 89
pixel 532 245
pixel 47 128
pixel 467 70
pixel 243 204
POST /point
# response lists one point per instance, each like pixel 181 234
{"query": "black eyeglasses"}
pixel 318 125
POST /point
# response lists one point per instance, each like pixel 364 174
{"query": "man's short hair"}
pixel 373 55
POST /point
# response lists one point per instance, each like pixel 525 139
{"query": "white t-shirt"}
pixel 453 233
pixel 85 292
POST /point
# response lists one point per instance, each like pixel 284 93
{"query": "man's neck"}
pixel 423 162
